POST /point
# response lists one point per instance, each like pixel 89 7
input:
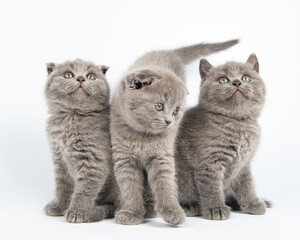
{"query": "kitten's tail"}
pixel 191 53
pixel 232 202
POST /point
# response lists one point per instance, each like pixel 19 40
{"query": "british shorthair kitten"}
pixel 77 95
pixel 145 115
pixel 217 140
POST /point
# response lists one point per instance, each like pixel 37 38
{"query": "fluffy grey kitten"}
pixel 217 140
pixel 145 114
pixel 77 94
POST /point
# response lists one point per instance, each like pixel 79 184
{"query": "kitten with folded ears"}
pixel 145 115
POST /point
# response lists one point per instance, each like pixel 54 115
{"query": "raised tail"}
pixel 191 53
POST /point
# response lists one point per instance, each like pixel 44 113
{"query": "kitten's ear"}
pixel 204 68
pixel 104 69
pixel 50 67
pixel 253 61
pixel 140 79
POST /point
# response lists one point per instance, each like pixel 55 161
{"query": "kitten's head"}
pixel 152 102
pixel 77 86
pixel 234 89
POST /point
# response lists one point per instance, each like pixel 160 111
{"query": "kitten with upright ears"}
pixel 217 140
pixel 145 115
pixel 77 95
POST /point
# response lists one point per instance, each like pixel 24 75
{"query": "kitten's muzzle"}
pixel 80 79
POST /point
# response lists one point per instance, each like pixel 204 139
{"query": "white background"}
pixel 115 33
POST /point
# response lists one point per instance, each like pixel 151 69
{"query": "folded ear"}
pixel 140 79
pixel 50 67
pixel 253 61
pixel 104 69
pixel 204 68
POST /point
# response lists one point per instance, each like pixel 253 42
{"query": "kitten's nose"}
pixel 168 122
pixel 237 83
pixel 80 79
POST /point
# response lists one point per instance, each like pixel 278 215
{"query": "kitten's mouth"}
pixel 81 88
pixel 238 91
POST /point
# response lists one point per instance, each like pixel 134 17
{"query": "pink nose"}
pixel 80 79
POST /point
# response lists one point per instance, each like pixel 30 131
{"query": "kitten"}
pixel 145 114
pixel 77 95
pixel 217 140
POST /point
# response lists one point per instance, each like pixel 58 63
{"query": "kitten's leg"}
pixel 64 188
pixel 89 176
pixel 243 187
pixel 150 210
pixel 102 211
pixel 161 177
pixel 148 199
pixel 130 180
pixel 209 180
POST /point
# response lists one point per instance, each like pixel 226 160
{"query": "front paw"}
pixel 53 209
pixel 216 213
pixel 125 217
pixel 78 216
pixel 257 207
pixel 172 214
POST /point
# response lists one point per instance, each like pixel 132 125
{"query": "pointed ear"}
pixel 253 61
pixel 104 69
pixel 140 79
pixel 204 68
pixel 50 67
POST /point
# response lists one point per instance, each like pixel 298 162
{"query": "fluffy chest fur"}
pixel 142 146
pixel 77 132
pixel 206 138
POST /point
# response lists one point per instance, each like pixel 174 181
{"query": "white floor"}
pixel 27 221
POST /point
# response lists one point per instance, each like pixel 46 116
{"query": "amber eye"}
pixel 176 110
pixel 159 106
pixel 68 75
pixel 91 76
pixel 246 78
pixel 223 80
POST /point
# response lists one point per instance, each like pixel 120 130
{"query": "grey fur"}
pixel 79 139
pixel 217 140
pixel 142 141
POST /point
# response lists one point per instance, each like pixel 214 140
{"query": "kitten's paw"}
pixel 257 207
pixel 216 213
pixel 52 209
pixel 78 216
pixel 127 218
pixel 191 210
pixel 172 214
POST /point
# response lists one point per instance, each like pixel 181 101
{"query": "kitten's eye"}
pixel 159 106
pixel 68 75
pixel 176 110
pixel 246 78
pixel 223 80
pixel 91 76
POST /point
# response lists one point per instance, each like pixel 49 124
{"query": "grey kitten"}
pixel 217 140
pixel 145 115
pixel 77 94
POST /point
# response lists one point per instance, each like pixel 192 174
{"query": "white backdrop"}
pixel 115 33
